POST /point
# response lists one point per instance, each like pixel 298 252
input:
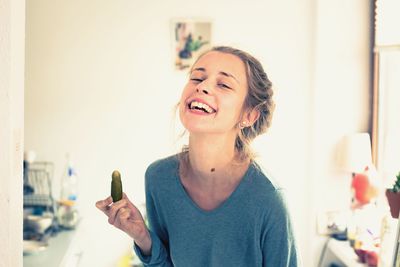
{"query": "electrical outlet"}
pixel 331 222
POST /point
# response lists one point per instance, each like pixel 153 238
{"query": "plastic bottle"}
pixel 67 211
pixel 69 184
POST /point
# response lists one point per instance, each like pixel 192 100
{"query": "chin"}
pixel 193 128
pixel 197 128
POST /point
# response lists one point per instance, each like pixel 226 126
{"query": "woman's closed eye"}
pixel 196 80
pixel 223 85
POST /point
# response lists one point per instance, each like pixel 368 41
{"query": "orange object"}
pixel 66 202
pixel 363 188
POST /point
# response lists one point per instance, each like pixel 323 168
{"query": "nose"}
pixel 204 87
pixel 202 90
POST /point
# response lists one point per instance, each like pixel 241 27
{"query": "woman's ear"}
pixel 251 116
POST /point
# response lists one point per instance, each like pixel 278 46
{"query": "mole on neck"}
pixel 212 169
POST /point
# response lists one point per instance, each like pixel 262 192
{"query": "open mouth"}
pixel 195 105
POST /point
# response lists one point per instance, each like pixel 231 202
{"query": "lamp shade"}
pixel 356 152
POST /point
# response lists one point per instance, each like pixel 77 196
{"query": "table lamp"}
pixel 357 159
pixel 356 153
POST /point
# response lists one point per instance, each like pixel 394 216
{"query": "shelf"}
pixel 345 253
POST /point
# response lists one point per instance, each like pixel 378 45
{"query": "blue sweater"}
pixel 251 228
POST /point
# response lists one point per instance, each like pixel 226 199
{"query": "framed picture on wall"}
pixel 190 37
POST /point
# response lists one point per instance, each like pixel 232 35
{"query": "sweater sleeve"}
pixel 159 250
pixel 158 256
pixel 277 240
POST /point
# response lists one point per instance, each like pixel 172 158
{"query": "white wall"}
pixel 100 84
pixel 340 100
pixel 12 21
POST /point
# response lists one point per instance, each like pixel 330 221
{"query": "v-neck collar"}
pixel 225 203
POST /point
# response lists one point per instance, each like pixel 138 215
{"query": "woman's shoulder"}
pixel 264 186
pixel 162 173
pixel 262 178
pixel 163 165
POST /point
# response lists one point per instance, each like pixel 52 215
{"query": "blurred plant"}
pixel 396 185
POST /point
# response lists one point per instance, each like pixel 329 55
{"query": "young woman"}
pixel 211 205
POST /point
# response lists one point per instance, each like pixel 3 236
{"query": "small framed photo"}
pixel 190 37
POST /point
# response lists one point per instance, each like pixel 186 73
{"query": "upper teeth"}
pixel 196 104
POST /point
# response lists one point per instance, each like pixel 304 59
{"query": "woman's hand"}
pixel 126 217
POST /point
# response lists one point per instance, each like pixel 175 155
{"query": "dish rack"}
pixel 38 187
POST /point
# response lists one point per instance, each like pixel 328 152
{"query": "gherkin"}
pixel 116 186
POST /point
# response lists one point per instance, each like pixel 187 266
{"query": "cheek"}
pixel 233 106
pixel 181 109
pixel 185 93
pixel 182 102
pixel 182 105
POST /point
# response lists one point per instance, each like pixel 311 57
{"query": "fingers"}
pixel 124 221
pixel 116 209
pixel 121 213
pixel 124 214
pixel 104 204
pixel 129 203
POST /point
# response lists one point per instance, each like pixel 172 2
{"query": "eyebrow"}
pixel 221 72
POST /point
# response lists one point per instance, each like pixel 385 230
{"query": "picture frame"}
pixel 190 37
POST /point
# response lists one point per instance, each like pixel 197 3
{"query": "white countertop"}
pixel 54 254
pixel 345 253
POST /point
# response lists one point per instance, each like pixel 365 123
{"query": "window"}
pixel 386 118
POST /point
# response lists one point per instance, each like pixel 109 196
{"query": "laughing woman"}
pixel 211 204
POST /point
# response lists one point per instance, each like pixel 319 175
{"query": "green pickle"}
pixel 116 186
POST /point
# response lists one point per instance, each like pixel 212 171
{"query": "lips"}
pixel 200 105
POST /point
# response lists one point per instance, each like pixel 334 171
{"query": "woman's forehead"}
pixel 221 62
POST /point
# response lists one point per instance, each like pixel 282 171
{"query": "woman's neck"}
pixel 213 160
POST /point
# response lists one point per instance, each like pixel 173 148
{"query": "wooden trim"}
pixel 383 48
pixel 375 111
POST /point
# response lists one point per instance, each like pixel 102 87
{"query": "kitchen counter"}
pixel 54 255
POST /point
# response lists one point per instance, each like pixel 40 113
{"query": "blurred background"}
pixel 101 86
